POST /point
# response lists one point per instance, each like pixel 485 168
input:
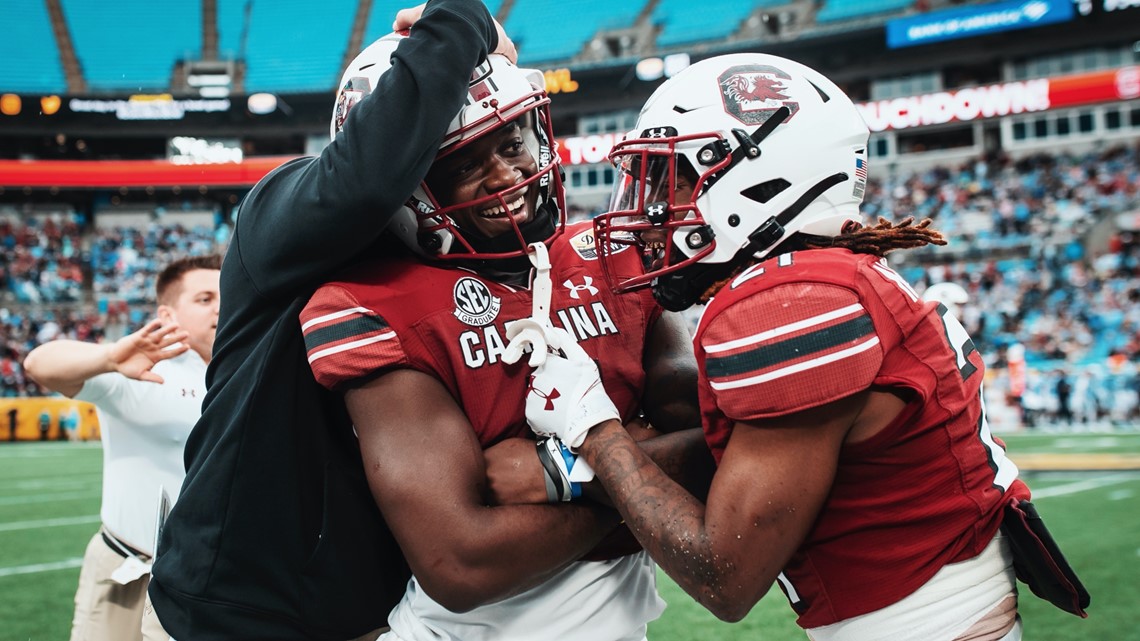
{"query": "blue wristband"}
pixel 570 458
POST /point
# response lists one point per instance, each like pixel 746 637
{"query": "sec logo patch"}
pixel 474 303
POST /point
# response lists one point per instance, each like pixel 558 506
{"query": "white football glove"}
pixel 565 397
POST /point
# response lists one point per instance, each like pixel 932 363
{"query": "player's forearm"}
pixel 510 549
pixel 65 365
pixel 666 519
pixel 684 457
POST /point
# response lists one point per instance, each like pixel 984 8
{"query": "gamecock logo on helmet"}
pixel 353 91
pixel 752 93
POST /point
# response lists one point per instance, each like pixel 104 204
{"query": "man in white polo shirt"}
pixel 148 388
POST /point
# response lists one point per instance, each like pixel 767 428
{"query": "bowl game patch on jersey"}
pixel 583 244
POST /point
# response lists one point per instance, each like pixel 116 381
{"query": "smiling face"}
pixel 486 173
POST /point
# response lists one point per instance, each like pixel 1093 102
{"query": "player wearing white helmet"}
pixel 417 343
pixel 950 295
pixel 855 464
pixel 275 536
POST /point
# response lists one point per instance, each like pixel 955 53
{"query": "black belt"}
pixel 120 548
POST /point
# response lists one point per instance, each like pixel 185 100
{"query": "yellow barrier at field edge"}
pixel 47 419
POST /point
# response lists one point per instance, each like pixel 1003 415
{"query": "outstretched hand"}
pixel 134 355
pixel 405 18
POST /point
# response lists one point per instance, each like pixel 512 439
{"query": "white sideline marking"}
pixel 1082 486
pixel 66 564
pixel 35 450
pixel 42 523
pixel 47 498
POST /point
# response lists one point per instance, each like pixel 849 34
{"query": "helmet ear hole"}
pixel 766 191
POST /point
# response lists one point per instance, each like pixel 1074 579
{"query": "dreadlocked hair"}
pixel 880 239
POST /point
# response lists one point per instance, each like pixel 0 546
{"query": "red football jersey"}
pixel 451 323
pixel 810 327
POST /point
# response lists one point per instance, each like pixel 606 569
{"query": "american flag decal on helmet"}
pixel 860 176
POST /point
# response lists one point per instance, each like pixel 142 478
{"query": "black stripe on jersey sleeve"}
pixel 356 326
pixel 791 349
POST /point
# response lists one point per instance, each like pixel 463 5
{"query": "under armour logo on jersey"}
pixel 549 398
pixel 574 289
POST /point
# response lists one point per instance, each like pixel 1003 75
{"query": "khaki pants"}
pixel 104 609
pixel 151 628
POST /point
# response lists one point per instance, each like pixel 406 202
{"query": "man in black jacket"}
pixel 275 535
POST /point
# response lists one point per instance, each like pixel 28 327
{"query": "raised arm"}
pixel 313 215
pixel 425 468
pixel 65 365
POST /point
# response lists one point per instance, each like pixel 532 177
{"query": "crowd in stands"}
pixel 1029 242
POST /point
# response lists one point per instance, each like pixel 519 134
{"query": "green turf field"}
pixel 49 505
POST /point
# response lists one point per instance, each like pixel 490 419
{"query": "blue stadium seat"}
pixel 33 45
pixel 837 10
pixel 384 11
pixel 685 21
pixel 133 44
pixel 551 31
pixel 292 46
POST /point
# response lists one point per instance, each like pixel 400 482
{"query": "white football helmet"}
pixel 949 294
pixel 498 93
pixel 769 147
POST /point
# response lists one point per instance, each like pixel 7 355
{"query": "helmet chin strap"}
pixel 537 229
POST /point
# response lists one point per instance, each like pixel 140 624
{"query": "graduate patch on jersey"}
pixel 475 305
pixel 583 244
pixel 765 356
pixel 345 341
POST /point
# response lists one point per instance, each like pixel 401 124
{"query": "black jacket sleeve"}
pixel 311 216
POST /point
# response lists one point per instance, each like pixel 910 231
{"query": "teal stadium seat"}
pixel 132 45
pixel 685 21
pixel 838 10
pixel 552 31
pixel 292 46
pixel 32 44
pixel 384 11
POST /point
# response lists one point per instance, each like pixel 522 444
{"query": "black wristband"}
pixel 557 488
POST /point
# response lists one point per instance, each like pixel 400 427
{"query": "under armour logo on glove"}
pixel 572 374
pixel 549 398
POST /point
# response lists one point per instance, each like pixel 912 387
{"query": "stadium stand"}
pixel 39 68
pixel 383 11
pixel 849 10
pixel 108 42
pixel 545 31
pixel 683 21
pixel 282 58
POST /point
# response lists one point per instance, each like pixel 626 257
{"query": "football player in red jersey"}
pixel 419 345
pixel 855 464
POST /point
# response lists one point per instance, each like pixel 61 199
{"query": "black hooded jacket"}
pixel 275 535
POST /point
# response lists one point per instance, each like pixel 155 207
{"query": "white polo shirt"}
pixel 144 428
